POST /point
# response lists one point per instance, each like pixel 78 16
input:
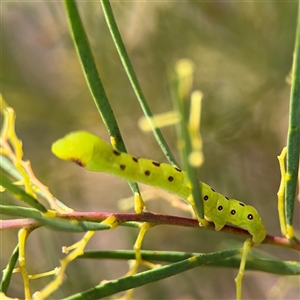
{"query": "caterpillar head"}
pixel 247 217
pixel 77 147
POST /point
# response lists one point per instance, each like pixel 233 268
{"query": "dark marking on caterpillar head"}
pixel 147 172
pixel 122 167
pixel 78 162
pixel 205 198
pixel 135 159
pixel 116 152
pixel 233 212
pixel 170 178
pixel 220 207
pixel 177 169
pixel 212 189
pixel 226 198
pixel 156 163
pixel 250 217
pixel 241 204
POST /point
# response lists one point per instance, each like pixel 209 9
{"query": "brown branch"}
pixel 154 219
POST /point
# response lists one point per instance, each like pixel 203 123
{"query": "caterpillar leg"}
pixel 239 278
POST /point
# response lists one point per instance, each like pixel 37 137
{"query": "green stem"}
pixel 180 89
pixel 140 279
pixel 92 77
pixel 56 223
pixel 21 194
pixel 108 13
pixel 293 141
pixel 253 263
pixel 7 273
pixel 191 170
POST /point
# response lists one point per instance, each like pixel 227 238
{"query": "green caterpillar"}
pixel 93 154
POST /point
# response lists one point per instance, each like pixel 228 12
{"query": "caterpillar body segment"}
pixel 92 153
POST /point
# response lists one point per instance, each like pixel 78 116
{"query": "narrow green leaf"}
pixel 72 225
pixel 10 168
pixel 93 79
pixel 123 284
pixel 25 212
pixel 264 265
pixel 253 263
pixel 56 223
pixel 293 142
pixel 112 25
pixel 180 93
pixel 21 194
pixel 7 272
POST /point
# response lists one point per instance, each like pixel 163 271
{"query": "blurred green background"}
pixel 242 53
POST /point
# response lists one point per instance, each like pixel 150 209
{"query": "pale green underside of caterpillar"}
pixel 93 154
